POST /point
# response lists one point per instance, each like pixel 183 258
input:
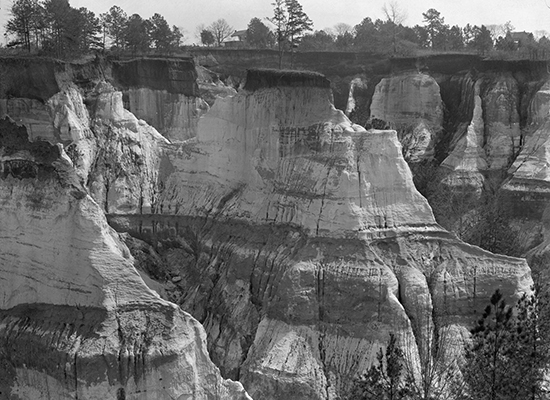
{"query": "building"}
pixel 237 39
pixel 520 39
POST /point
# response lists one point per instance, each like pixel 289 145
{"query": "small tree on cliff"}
pixel 114 25
pixel 137 34
pixel 386 380
pixel 162 36
pixel 89 29
pixel 291 23
pixel 25 22
pixel 63 28
pixel 221 30
pixel 507 356
pixel 259 35
pixel 435 26
pixel 298 22
pixel 395 16
pixel 482 41
pixel 207 37
pixel 280 20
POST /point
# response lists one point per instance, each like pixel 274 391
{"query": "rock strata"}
pixel 76 318
pixel 468 159
pixel 164 93
pixel 302 242
pixel 530 171
pixel 411 103
pixel 295 237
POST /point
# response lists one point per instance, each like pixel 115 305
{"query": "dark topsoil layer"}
pixel 268 78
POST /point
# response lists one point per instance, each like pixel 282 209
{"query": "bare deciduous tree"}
pixel 342 28
pixel 396 15
pixel 432 355
pixel 221 30
pixel 500 30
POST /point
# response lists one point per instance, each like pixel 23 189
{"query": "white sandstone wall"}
pixel 77 319
pixel 365 257
pixel 410 102
pixel 174 115
pixel 288 156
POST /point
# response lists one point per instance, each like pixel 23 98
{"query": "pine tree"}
pixel 114 25
pixel 62 29
pixel 291 23
pixel 88 29
pixel 25 21
pixel 258 35
pixel 508 352
pixel 137 34
pixel 435 25
pixel 177 36
pixel 298 22
pixel 482 41
pixel 280 20
pixel 387 380
pixel 161 35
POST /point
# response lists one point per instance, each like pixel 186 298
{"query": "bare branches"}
pixel 396 16
pixel 431 354
pixel 394 13
pixel 221 30
pixel 342 28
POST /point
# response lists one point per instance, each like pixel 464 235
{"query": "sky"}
pixel 525 15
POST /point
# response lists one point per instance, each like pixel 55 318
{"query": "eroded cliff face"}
pixel 477 115
pixel 261 170
pixel 299 240
pixel 530 169
pixel 491 139
pixel 173 106
pixel 296 238
pixel 162 92
pixel 528 184
pixel 411 103
pixel 77 319
pixel 175 115
pixel 489 151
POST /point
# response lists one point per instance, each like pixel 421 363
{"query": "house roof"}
pixel 519 35
pixel 239 34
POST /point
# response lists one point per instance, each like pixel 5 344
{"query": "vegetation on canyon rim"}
pixel 55 28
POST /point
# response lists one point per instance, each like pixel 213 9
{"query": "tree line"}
pixel 54 27
pixel 390 36
pixel 289 28
pixel 292 29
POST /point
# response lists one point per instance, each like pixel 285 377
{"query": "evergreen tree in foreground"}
pixel 507 356
pixel 386 380
pixel 26 21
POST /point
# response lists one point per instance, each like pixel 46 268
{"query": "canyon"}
pixel 169 235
